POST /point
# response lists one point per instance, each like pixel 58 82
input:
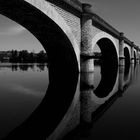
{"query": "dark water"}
pixel 121 120
pixel 34 100
pixel 114 115
pixel 22 88
pixel 64 105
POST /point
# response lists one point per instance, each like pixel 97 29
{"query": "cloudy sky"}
pixel 14 36
pixel 124 15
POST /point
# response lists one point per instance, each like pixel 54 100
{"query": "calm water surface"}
pixel 118 116
pixel 122 119
pixel 105 107
pixel 22 88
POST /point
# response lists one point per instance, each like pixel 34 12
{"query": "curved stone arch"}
pixel 102 35
pixel 129 49
pixel 109 61
pixel 50 11
pixel 135 55
pixel 44 7
pixel 59 47
pixel 127 55
pixel 103 100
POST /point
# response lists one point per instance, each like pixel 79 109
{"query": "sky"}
pixel 124 15
pixel 16 37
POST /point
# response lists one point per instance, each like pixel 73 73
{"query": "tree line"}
pixel 23 56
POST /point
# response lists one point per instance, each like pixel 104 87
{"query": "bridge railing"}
pixel 98 21
pixel 72 5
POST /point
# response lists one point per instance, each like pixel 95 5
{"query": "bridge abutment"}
pixel 87 62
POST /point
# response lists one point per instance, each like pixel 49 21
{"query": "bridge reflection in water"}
pixel 76 103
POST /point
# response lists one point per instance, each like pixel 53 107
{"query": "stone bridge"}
pixel 69 30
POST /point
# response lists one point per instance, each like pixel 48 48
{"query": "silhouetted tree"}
pixel 41 57
pixel 24 56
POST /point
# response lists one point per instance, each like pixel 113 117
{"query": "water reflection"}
pixel 92 98
pixel 24 66
pixel 58 98
pixel 71 107
pixel 126 71
pixel 93 107
pixel 108 80
pixel 20 93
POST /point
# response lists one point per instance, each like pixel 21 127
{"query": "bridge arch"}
pixel 59 44
pixel 127 56
pixel 43 21
pixel 107 46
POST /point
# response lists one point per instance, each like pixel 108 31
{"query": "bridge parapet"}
pixel 102 24
pixel 73 6
pixel 99 22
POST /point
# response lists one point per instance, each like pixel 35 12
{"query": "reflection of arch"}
pixel 62 51
pixel 71 119
pixel 108 80
pixel 127 56
pixel 100 99
pixel 127 74
pixel 52 110
pixel 107 46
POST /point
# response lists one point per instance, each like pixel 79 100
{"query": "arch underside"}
pixel 127 56
pixel 41 26
pixel 109 54
pixel 109 67
pixel 63 65
pixel 135 56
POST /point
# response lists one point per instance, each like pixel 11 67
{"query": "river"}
pixel 99 105
pixel 22 88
